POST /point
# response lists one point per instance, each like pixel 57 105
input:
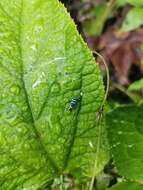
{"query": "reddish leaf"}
pixel 121 50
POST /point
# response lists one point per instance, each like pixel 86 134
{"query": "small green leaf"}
pixel 136 3
pixel 125 134
pixel 44 63
pixel 133 19
pixel 121 2
pixel 137 85
pixel 131 2
pixel 95 25
pixel 127 186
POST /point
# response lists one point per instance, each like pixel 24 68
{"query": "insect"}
pixel 73 103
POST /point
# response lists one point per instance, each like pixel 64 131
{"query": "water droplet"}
pixel 36 83
pixel 39 80
pixel 130 145
pixel 33 47
pixel 81 93
pixel 120 132
pixel 15 89
pixel 91 144
pixel 118 143
pixel 59 58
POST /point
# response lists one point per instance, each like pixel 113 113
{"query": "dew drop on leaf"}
pixel 33 47
pixel 15 89
pixel 130 145
pixel 120 132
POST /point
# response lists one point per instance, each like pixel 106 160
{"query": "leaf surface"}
pixel 131 2
pixel 137 85
pixel 125 134
pixel 127 186
pixel 44 63
pixel 133 19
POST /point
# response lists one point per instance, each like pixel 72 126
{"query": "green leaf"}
pixel 125 134
pixel 43 64
pixel 137 85
pixel 121 2
pixel 136 3
pixel 95 25
pixel 133 19
pixel 131 2
pixel 127 186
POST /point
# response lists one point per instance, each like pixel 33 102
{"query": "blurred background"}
pixel 114 29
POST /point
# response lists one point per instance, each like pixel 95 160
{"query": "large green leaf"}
pixel 43 64
pixel 125 134
pixel 127 186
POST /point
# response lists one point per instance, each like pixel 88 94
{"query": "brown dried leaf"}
pixel 121 50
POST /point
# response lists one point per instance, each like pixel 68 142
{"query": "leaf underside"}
pixel 43 64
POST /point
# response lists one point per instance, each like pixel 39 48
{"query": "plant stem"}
pixel 100 119
pixel 108 78
pixel 100 123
